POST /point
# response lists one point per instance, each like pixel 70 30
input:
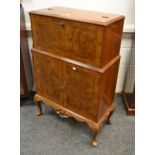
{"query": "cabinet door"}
pixel 48 77
pixel 81 90
pixel 75 40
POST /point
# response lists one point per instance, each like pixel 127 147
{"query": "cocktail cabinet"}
pixel 76 60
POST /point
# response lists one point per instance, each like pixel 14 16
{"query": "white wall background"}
pixel 126 76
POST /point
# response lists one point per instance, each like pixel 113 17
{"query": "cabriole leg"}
pixel 109 121
pixel 37 101
pixel 95 129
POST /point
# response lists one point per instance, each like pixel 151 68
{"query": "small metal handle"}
pixel 61 24
pixel 74 68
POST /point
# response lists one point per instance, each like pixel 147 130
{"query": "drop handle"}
pixel 62 24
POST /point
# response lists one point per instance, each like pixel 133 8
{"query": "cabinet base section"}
pixel 65 113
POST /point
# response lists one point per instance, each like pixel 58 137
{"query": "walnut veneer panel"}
pixel 107 87
pixel 71 39
pixel 81 90
pixel 111 41
pixel 48 76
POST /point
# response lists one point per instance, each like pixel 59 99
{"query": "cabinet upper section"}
pixel 83 36
pixel 79 15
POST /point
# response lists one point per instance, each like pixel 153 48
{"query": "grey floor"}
pixel 52 135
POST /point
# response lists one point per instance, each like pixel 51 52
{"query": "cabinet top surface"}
pixel 79 15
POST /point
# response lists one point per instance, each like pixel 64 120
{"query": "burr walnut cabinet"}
pixel 76 60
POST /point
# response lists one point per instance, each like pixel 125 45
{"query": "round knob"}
pixel 74 68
